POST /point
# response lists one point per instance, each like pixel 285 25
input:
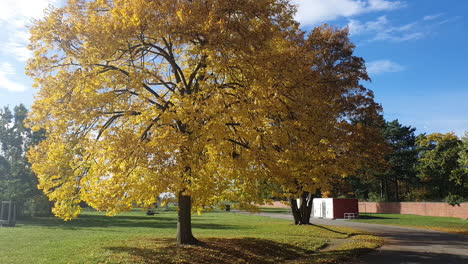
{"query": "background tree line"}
pixel 425 167
pixel 421 167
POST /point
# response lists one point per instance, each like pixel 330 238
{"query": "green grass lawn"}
pixel 447 224
pixel 273 210
pixel 134 237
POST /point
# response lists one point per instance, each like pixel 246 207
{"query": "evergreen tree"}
pixel 17 181
pixel 402 160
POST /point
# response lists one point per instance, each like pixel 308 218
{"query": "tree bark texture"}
pixel 397 190
pixel 184 221
pixel 302 212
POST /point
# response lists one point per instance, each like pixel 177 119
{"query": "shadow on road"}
pixel 426 239
pixel 398 256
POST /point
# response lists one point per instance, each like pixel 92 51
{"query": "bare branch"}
pixel 244 145
pixel 112 67
pixel 112 119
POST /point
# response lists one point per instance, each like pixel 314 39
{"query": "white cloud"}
pixel 399 38
pixel 382 29
pixel 432 17
pixel 20 12
pixel 7 70
pixel 15 15
pixel 383 66
pixel 378 5
pixel 16 46
pixel 357 28
pixel 449 20
pixel 311 12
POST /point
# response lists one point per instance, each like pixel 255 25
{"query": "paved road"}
pixel 405 245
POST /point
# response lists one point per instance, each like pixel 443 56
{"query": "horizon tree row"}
pixel 431 167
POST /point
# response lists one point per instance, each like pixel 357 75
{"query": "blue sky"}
pixel 416 53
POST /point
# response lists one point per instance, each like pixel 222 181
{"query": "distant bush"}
pixel 418 195
pixel 375 197
pixel 454 199
pixel 39 205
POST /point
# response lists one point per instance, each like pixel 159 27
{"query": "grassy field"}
pixel 137 238
pixel 275 210
pixel 447 224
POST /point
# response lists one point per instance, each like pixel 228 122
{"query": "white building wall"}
pixel 323 208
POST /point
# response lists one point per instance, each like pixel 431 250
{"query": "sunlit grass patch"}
pixel 275 210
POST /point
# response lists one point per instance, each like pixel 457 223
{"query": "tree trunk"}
pixel 295 211
pixel 302 213
pixel 397 190
pixel 184 221
pixel 387 192
pixel 381 189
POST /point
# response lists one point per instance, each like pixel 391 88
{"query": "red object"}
pixel 342 206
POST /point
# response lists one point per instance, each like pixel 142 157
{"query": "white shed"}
pixel 322 208
pixel 333 208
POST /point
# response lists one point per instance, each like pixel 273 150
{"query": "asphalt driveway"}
pixel 405 245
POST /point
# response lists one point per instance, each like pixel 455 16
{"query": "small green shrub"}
pixel 40 205
pixel 375 197
pixel 454 199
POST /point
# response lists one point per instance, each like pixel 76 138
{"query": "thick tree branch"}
pixel 201 64
pixel 112 67
pixel 244 145
pixel 112 119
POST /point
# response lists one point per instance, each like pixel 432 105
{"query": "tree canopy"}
pixel 144 97
pixel 439 164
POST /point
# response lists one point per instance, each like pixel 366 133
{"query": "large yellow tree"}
pixel 206 99
pixel 142 97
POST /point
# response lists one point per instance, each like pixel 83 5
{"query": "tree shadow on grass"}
pixel 228 250
pixel 213 250
pixel 331 230
pixel 101 221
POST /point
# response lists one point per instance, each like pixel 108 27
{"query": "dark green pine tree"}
pixel 401 177
pixel 17 181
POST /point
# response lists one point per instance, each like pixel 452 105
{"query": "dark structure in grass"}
pixel 8 214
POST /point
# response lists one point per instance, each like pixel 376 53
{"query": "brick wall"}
pixel 416 208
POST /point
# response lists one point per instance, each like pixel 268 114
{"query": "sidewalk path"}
pixel 404 245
